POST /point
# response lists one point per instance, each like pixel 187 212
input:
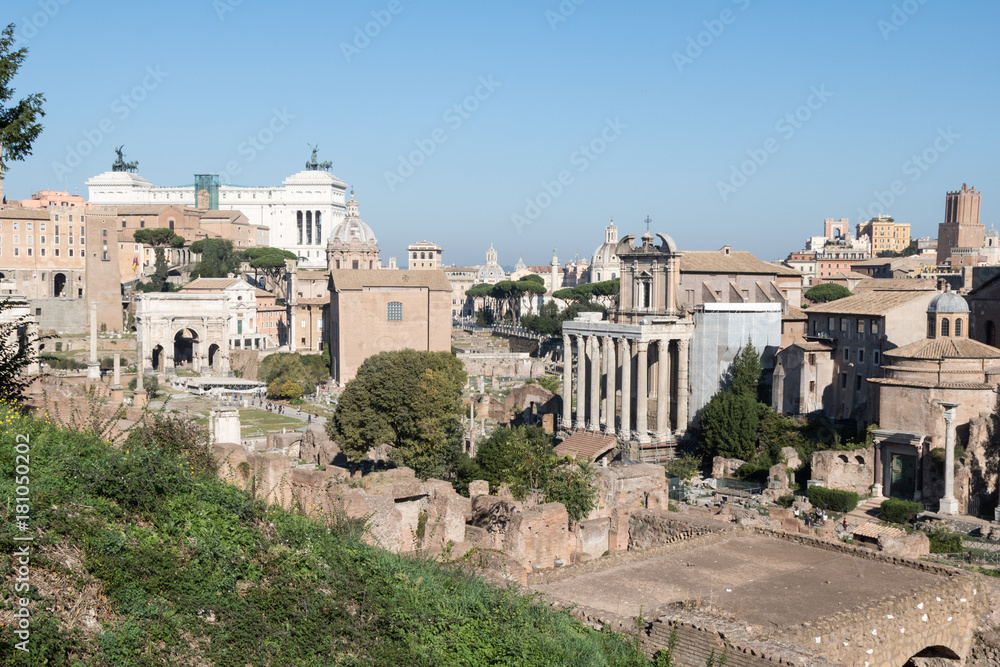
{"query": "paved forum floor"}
pixel 768 581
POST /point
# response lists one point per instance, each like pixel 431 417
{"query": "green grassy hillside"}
pixel 142 557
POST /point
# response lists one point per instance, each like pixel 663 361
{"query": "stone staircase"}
pixel 867 510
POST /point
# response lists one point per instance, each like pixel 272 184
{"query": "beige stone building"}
pixel 886 234
pixel 372 311
pixel 352 243
pixel 423 255
pixel 735 276
pixel 61 258
pixel 844 344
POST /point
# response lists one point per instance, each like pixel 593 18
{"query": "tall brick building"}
pixel 961 235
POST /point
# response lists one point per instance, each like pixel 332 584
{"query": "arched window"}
pixel 958 328
pixel 423 255
pixel 944 327
pixel 991 333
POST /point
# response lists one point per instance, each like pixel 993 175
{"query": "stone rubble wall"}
pixel 844 470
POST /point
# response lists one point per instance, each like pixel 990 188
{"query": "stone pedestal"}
pixel 117 393
pixel 948 506
pixel 996 514
pixel 877 491
pixel 139 398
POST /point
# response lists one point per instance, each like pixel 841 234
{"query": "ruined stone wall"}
pixel 845 470
pixel 652 528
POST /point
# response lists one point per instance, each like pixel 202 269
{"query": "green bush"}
pixel 833 499
pixel 786 500
pixel 894 510
pixel 944 541
pixel 685 467
pixel 827 292
pixel 150 383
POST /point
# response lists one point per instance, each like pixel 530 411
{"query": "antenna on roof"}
pixel 648 221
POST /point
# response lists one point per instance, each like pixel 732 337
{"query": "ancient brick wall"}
pixel 845 470
pixel 651 528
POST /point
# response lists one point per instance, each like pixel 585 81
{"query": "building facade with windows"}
pixel 423 255
pixel 844 344
pixel 886 234
pixel 372 311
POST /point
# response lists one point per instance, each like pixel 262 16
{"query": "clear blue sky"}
pixel 891 87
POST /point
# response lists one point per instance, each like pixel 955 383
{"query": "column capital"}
pixel 642 345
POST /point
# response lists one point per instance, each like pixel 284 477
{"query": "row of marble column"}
pixel 606 355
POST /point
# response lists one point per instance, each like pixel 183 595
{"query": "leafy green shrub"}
pixel 894 510
pixel 150 383
pixel 827 292
pixel 685 467
pixel 786 500
pixel 945 542
pixel 833 499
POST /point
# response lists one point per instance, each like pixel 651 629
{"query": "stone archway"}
pixel 934 656
pixel 186 344
pixel 157 358
pixel 213 351
pixel 59 285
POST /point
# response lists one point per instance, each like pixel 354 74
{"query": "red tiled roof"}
pixel 586 445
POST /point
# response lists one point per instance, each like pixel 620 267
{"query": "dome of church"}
pixel 491 272
pixel 948 302
pixel 352 229
pixel 605 264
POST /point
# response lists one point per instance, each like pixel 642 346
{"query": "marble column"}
pixel 626 425
pixel 94 366
pixel 117 394
pixel 581 383
pixel 567 388
pixel 682 384
pixel 609 385
pixel 949 504
pixel 662 390
pixel 642 391
pixel 877 486
pixel 594 418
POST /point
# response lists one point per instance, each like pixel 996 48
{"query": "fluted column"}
pixel 682 384
pixel 626 426
pixel 93 366
pixel 642 391
pixel 594 418
pixel 949 504
pixel 567 388
pixel 581 383
pixel 609 385
pixel 662 390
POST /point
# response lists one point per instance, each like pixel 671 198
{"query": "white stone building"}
pixel 300 213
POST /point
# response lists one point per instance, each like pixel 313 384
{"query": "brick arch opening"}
pixel 933 656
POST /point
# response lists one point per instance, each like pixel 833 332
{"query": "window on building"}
pixel 843 380
pixel 30 226
pixel 874 327
pixel 861 327
pixel 857 382
pixel 394 311
pixel 29 252
pixel 123 224
pixel 17 238
pixel 57 252
pixel 847 354
pixel 944 327
pixel 958 328
pixel 41 227
pixel 991 333
pixel 831 323
pixel 861 355
pixel 70 252
pixel 845 324
pixel 43 252
pixel 142 224
pixel 354 264
pixel 17 252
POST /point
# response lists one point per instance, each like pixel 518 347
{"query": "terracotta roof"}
pixel 18 213
pixel 309 274
pixel 460 269
pixel 211 283
pixel 356 279
pixel 313 301
pixel 225 215
pixel 259 293
pixel 876 530
pixel 795 314
pixel 875 302
pixel 893 382
pixel 846 275
pixel 813 346
pixel 737 261
pixel 586 445
pixel 946 348
pixel 894 284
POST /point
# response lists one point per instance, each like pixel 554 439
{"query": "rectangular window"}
pixel 845 324
pixel 57 252
pixel 57 230
pixel 861 327
pixel 29 252
pixel 41 226
pixel 15 226
pixel 831 323
pixel 17 252
pixel 876 357
pixel 71 217
pixel 857 382
pixel 861 355
pixel 57 240
pixel 847 354
pixel 70 252
pixel 874 327
pixel 17 238
pixel 31 239
pixel 843 380
pixel 394 311
pixel 42 240
pixel 30 226
pixel 43 252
